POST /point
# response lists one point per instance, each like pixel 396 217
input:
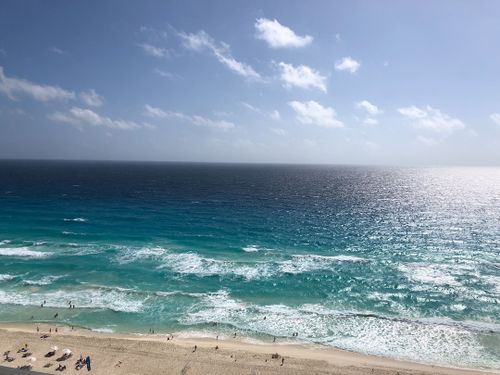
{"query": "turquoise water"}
pixel 400 262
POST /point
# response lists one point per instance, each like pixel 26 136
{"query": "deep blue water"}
pixel 402 262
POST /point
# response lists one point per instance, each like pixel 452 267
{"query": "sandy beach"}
pixel 155 354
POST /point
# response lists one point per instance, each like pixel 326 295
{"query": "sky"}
pixel 351 82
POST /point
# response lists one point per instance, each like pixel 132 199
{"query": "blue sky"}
pixel 354 82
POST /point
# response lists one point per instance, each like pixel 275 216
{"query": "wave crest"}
pixel 23 252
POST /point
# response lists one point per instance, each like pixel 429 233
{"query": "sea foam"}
pixel 311 262
pixel 45 280
pixel 6 277
pixel 251 248
pixel 82 298
pixel 431 341
pixel 428 274
pixel 24 252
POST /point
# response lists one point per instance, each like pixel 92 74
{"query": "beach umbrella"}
pixel 54 348
pixel 67 351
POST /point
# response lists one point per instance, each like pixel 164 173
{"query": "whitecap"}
pixel 76 219
pixel 45 280
pixel 4 242
pixel 24 252
pixel 192 263
pixel 180 293
pixel 81 298
pixel 311 262
pixel 128 255
pixel 493 281
pixel 251 248
pixel 428 274
pixel 6 277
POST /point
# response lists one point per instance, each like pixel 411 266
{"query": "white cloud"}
pixel 201 41
pixel 279 131
pixel 371 111
pixel 312 112
pixel 91 98
pixel 347 64
pixel 370 108
pixel 279 36
pixel 301 76
pixel 196 120
pixel 16 86
pixel 275 115
pixel 154 51
pixel 495 117
pixel 58 51
pixel 431 119
pixel 80 116
pixel 167 75
pixel 412 112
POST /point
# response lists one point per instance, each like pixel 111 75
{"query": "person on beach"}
pixel 87 362
pixel 37 328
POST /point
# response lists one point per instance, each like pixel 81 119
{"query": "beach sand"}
pixel 154 354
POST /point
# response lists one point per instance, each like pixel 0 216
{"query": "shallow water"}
pixel 402 262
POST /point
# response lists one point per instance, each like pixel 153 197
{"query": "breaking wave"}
pixel 24 252
pixel 83 298
pixel 251 248
pixel 6 277
pixel 310 262
pixel 45 280
pixel 436 341
pixel 428 274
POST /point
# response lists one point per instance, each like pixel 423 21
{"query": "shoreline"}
pixel 118 353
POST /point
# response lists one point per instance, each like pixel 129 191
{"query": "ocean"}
pixel 398 262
